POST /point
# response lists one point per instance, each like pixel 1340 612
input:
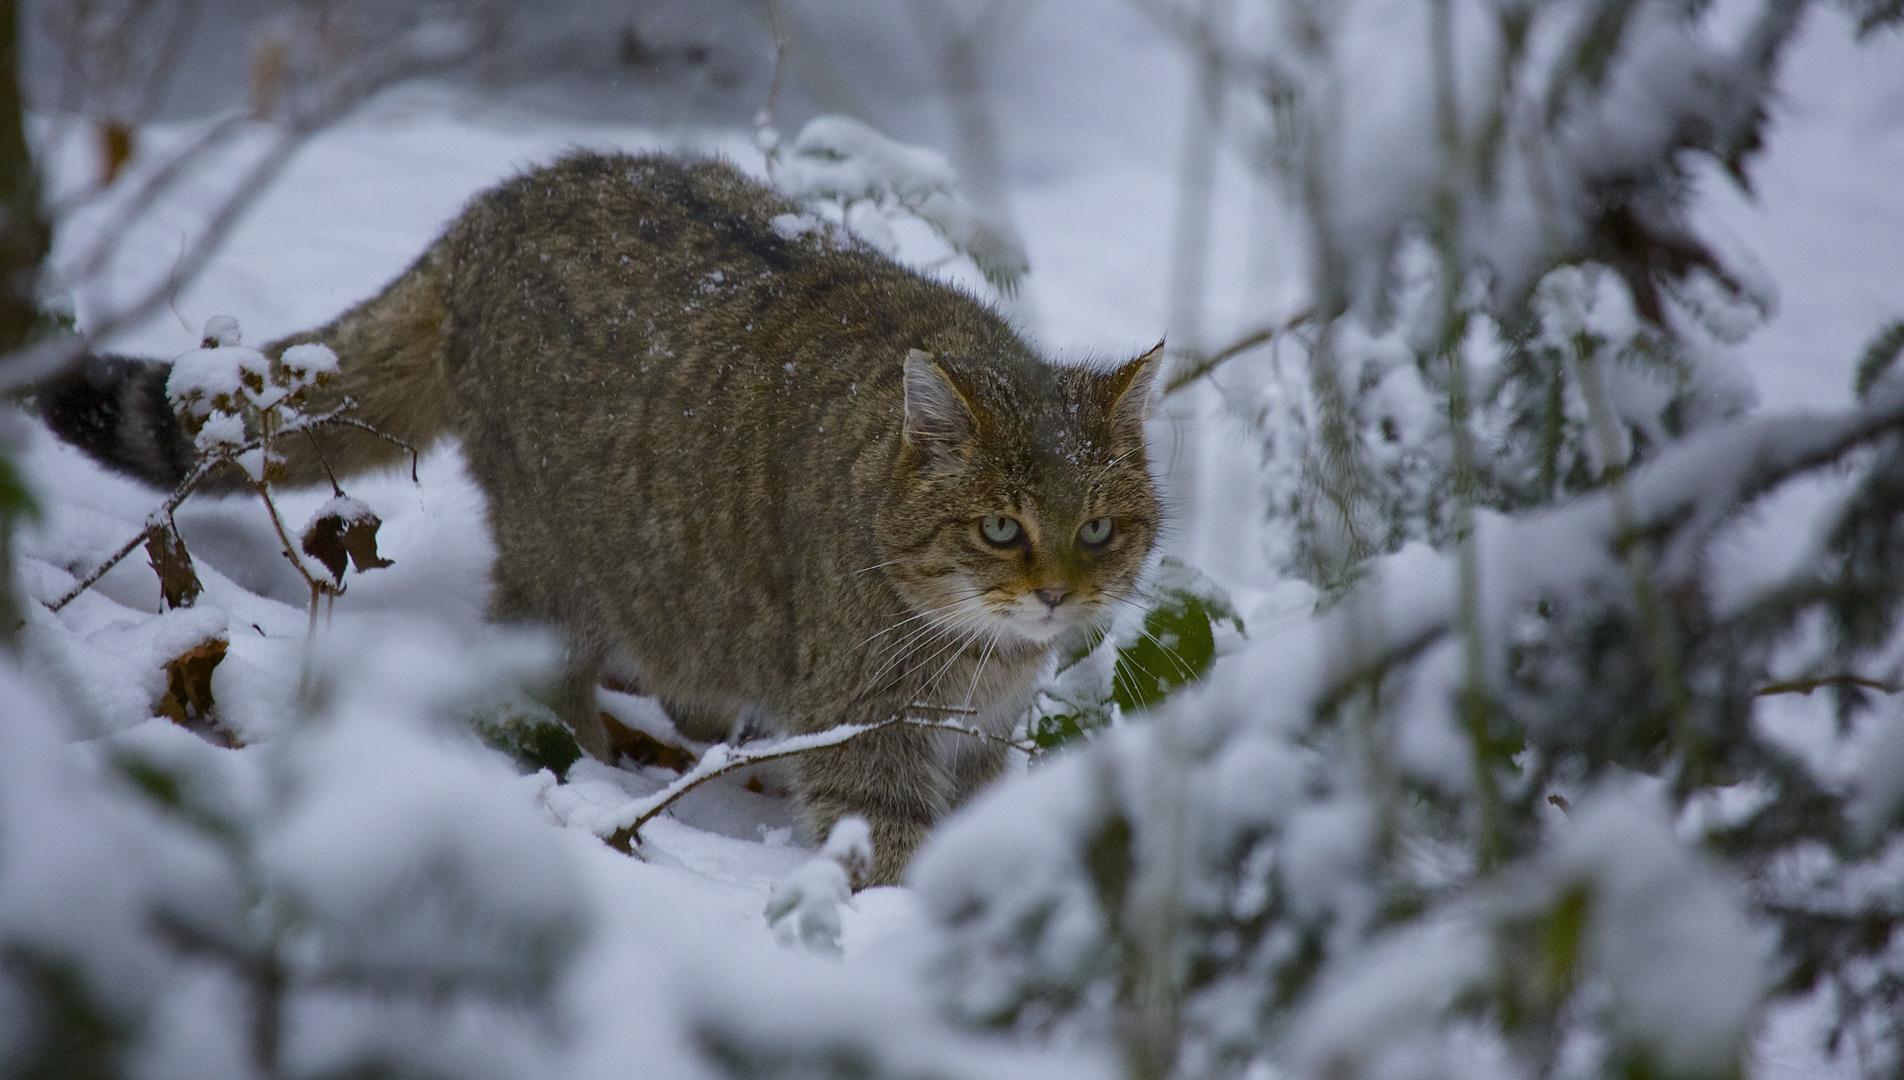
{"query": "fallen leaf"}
pixel 643 748
pixel 178 581
pixel 188 692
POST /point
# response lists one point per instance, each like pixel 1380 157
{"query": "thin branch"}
pixel 319 586
pixel 959 709
pixel 29 365
pixel 112 560
pixel 1806 686
pixel 721 760
pixel 1203 365
pixel 351 421
pixel 324 461
pixel 160 517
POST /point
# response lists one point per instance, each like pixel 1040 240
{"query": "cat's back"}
pixel 682 281
pixel 682 395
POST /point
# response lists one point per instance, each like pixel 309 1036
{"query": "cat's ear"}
pixel 938 418
pixel 1130 392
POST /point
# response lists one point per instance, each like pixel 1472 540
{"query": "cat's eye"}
pixel 999 529
pixel 1095 531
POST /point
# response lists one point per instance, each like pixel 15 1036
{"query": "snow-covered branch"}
pixel 723 759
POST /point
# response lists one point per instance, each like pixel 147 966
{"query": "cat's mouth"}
pixel 1039 623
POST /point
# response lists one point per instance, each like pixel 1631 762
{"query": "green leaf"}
pixel 531 734
pixel 1050 730
pixel 16 500
pixel 1098 678
pixel 1177 643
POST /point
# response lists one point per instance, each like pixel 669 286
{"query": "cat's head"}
pixel 1026 507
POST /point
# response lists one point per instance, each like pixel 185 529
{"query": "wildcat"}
pixel 751 463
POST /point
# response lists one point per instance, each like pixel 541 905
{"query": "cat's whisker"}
pixel 910 619
pixel 877 565
pixel 933 634
pixel 927 638
pixel 972 691
pixel 954 638
pixel 928 627
pixel 933 682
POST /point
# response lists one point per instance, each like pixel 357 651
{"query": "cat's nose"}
pixel 1053 597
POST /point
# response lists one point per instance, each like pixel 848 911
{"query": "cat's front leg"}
pixel 894 778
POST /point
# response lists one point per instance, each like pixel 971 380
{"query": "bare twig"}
pixel 351 421
pixel 324 461
pixel 957 709
pixel 159 518
pixel 1203 365
pixel 339 97
pixel 721 760
pixel 1806 686
pixel 112 560
pixel 319 587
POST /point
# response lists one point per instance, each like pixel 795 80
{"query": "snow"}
pixel 222 330
pixel 795 226
pixel 203 378
pixel 837 157
pixel 1669 932
pixel 342 507
pixel 309 362
pixel 366 789
pixel 805 905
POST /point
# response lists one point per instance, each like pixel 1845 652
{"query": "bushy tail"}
pixel 390 366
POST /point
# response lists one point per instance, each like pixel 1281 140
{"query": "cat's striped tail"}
pixel 390 366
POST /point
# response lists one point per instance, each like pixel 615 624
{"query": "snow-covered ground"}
pixel 1092 194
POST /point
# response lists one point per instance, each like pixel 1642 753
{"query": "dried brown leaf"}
pixel 338 542
pixel 188 692
pixel 115 149
pixel 643 748
pixel 178 581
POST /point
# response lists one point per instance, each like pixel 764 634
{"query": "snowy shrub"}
pixel 357 895
pixel 841 167
pixel 1507 804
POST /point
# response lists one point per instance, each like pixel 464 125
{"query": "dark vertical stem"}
pixel 267 1019
pixel 24 239
pixel 24 236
